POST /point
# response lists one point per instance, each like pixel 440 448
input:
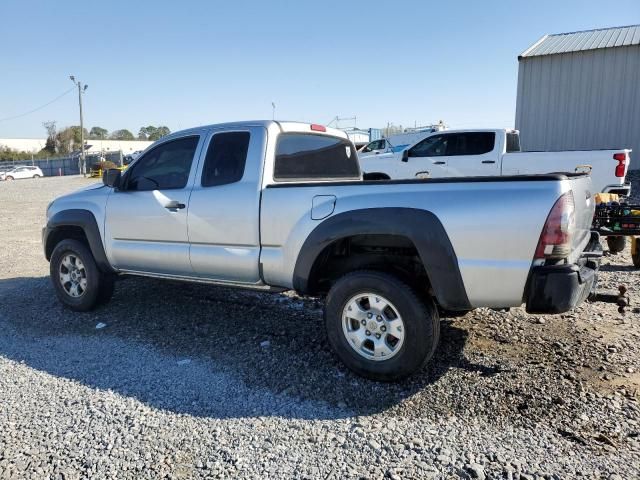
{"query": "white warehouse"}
pixel 34 145
pixel 581 91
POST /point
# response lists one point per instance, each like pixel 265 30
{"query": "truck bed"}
pixel 493 223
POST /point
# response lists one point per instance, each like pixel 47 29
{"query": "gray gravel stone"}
pixel 505 396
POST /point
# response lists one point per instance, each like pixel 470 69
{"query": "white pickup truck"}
pixel 495 152
pixel 398 142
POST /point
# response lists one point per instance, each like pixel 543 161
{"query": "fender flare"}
pixel 85 220
pixel 422 227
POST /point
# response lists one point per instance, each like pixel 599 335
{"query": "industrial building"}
pixel 34 145
pixel 581 91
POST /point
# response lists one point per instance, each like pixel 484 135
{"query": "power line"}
pixel 39 108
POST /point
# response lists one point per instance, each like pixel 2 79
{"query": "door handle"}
pixel 488 161
pixel 174 205
pixel 439 163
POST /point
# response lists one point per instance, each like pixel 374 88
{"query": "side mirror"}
pixel 111 178
pixel 405 155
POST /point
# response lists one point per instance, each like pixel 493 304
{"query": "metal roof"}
pixel 585 40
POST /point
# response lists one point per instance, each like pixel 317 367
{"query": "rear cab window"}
pixel 513 142
pixel 303 156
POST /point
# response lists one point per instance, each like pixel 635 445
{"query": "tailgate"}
pixel 582 190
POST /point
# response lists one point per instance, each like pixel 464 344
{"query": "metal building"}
pixel 581 91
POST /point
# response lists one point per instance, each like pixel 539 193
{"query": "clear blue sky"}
pixel 188 63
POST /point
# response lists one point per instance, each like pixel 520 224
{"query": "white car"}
pixel 21 172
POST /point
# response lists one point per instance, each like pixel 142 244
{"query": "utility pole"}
pixel 273 111
pixel 81 89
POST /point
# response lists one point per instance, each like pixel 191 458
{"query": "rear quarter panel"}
pixel 494 227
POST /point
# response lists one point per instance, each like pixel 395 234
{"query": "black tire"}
pixel 616 244
pixel 420 318
pixel 8 177
pixel 375 176
pixel 36 176
pixel 98 286
pixel 635 253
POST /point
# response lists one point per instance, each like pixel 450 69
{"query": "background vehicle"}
pixel 127 159
pixel 494 152
pixel 280 205
pixel 398 142
pixel 17 173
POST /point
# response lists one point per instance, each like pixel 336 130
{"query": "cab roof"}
pixel 284 126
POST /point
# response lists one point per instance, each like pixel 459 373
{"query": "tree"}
pixel 51 144
pixel 98 133
pixel 122 134
pixel 152 133
pixel 160 132
pixel 69 139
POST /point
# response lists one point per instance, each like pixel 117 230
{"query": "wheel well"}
pixel 63 233
pixel 375 176
pixel 394 254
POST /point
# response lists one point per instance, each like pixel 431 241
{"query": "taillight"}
pixel 318 128
pixel 622 161
pixel 555 239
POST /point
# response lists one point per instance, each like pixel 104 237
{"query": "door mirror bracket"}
pixel 405 156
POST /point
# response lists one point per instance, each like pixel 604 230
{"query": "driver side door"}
pixel 426 159
pixel 146 217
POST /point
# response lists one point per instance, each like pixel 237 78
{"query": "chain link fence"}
pixel 54 167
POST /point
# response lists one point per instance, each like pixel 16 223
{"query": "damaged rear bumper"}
pixel 559 288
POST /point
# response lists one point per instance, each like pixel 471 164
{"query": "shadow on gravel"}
pixel 204 351
pixel 618 268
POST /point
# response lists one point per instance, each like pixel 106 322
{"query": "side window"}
pixel 226 157
pixel 471 143
pixel 434 146
pixel 308 156
pixel 368 147
pixel 165 167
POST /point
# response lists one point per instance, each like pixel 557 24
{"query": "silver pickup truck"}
pixel 280 205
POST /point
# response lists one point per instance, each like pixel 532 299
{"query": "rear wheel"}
pixel 616 244
pixel 36 176
pixel 78 282
pixel 635 251
pixel 379 327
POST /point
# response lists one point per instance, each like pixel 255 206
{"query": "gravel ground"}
pixel 191 381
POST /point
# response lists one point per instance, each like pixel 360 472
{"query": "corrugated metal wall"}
pixel 581 101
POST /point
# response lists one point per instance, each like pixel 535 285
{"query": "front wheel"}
pixel 36 176
pixel 379 327
pixel 9 177
pixel 78 282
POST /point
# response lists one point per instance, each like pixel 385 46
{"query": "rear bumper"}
pixel 559 288
pixel 624 189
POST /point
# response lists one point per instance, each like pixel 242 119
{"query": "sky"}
pixel 188 63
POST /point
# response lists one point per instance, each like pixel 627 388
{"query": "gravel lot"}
pixel 194 381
